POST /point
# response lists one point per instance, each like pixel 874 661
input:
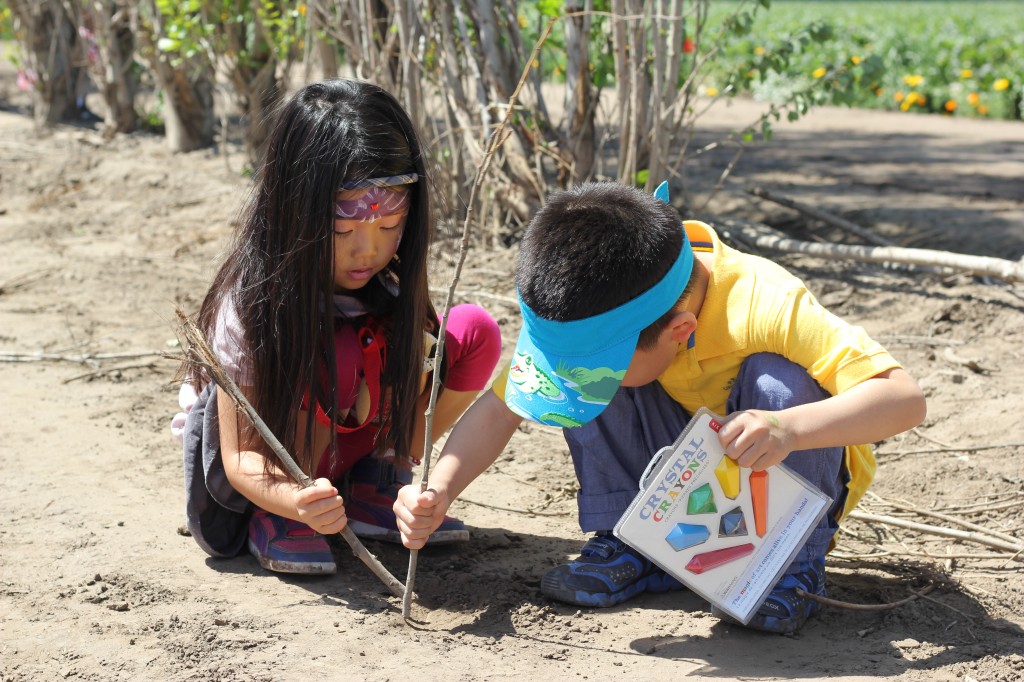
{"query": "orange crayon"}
pixel 759 500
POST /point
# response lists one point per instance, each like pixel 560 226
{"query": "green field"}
pixel 957 58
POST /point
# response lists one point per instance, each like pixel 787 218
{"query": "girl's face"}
pixel 368 226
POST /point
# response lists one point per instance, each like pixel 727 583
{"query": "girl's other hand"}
pixel 321 508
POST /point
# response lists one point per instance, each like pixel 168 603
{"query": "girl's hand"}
pixel 321 508
pixel 755 438
pixel 419 514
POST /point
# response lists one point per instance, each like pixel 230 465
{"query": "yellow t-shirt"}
pixel 752 306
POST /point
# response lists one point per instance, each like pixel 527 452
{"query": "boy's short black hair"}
pixel 595 247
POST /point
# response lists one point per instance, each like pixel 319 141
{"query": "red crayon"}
pixel 708 560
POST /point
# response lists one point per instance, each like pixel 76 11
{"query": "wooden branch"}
pixel 817 214
pixel 966 448
pixel 201 354
pixel 82 359
pixel 979 538
pixel 495 141
pixel 1010 271
pixel 948 518
pixel 865 607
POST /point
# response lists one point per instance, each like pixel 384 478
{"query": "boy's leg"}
pixel 771 382
pixel 610 454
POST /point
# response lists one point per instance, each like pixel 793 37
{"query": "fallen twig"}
pixel 825 217
pixel 109 370
pixel 482 294
pixel 199 352
pixel 82 359
pixel 979 538
pixel 954 520
pixel 525 512
pixel 866 607
pixel 882 552
pixel 764 237
pixel 966 448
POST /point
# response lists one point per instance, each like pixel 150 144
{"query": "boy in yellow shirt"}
pixel 630 324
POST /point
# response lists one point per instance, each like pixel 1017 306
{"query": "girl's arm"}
pixel 882 406
pixel 319 506
pixel 476 441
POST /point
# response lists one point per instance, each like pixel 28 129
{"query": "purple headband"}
pixel 380 200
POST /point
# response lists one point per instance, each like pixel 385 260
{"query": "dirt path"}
pixel 102 240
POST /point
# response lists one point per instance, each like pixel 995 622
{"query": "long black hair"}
pixel 279 267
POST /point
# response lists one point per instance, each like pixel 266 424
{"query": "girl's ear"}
pixel 682 325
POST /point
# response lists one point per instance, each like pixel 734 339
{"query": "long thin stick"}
pixel 818 214
pixel 495 141
pixel 865 607
pixel 938 530
pixel 200 353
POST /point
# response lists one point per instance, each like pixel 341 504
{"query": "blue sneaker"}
pixel 608 572
pixel 784 610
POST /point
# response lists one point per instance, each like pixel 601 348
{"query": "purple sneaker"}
pixel 373 487
pixel 287 546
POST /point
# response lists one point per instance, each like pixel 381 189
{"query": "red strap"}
pixel 373 349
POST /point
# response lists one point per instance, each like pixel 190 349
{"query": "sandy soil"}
pixel 101 240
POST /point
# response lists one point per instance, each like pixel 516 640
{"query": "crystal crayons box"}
pixel 724 531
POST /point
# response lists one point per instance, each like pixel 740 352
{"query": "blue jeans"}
pixel 611 452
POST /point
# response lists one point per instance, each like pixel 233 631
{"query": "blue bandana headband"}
pixel 565 373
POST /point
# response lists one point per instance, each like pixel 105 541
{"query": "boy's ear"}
pixel 682 325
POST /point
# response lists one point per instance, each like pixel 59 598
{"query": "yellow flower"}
pixel 759 50
pixel 711 92
pixel 819 72
pixel 302 8
pixel 913 81
pixel 855 59
pixel 522 21
pixel 1000 85
pixel 982 109
pixel 966 73
pixel 972 99
pixel 950 105
pixel 909 101
pixel 898 96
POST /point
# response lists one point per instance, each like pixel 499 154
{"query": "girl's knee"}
pixel 473 344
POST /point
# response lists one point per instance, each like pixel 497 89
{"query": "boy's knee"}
pixel 771 382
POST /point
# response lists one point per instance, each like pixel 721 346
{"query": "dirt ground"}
pixel 101 240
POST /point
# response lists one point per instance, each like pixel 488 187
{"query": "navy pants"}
pixel 611 452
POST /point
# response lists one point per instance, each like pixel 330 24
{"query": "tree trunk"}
pixel 49 42
pixel 112 68
pixel 189 121
pixel 580 104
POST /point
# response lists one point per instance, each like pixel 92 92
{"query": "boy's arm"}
pixel 889 403
pixel 475 442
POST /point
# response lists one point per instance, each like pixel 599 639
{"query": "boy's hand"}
pixel 321 508
pixel 419 514
pixel 755 438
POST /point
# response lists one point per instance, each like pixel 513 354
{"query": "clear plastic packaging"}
pixel 724 531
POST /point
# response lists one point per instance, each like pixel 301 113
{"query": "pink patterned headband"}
pixel 381 199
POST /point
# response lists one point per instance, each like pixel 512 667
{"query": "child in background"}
pixel 630 324
pixel 321 314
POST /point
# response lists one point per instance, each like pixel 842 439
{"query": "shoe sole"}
pixel 552 587
pixel 301 567
pixel 369 531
